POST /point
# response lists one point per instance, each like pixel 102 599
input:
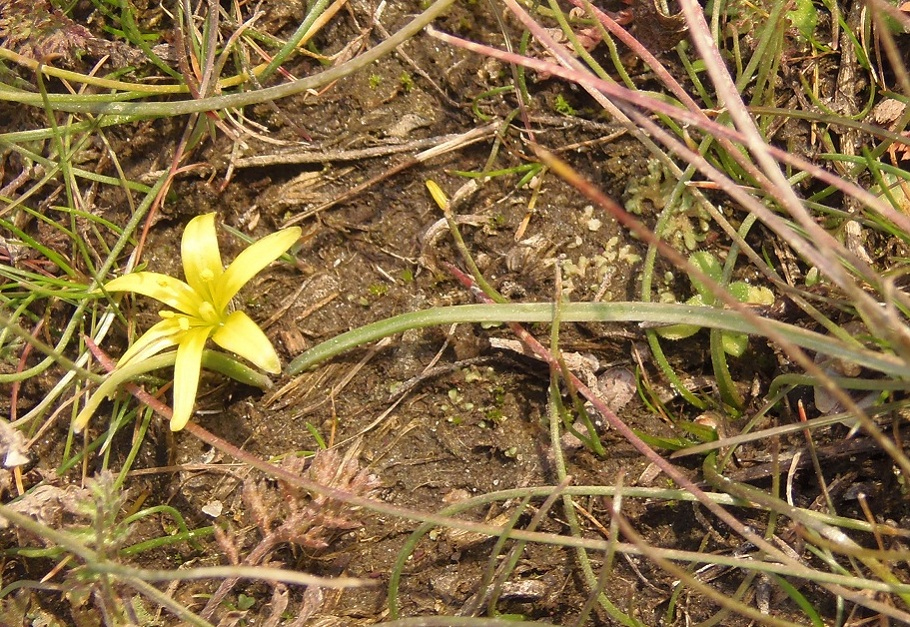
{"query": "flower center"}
pixel 208 314
pixel 182 321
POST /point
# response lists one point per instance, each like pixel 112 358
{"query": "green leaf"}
pixel 245 602
pixel 734 344
pixel 707 263
pixel 804 18
pixel 682 331
pixel 751 294
pixel 668 444
pixel 678 331
pixel 703 433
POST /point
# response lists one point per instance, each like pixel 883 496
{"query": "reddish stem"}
pixel 108 364
pixel 23 358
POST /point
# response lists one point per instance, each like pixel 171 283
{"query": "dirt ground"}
pixel 437 415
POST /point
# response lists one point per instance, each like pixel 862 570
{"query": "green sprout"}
pixel 407 82
pixel 202 305
pixel 562 106
pixel 734 344
pixel 804 17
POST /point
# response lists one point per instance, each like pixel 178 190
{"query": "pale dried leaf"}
pixel 48 504
pixel 13 446
pixel 277 606
pixel 313 600
pixel 616 387
pixel 888 111
pixel 213 508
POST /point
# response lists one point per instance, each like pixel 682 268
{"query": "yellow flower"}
pixel 201 310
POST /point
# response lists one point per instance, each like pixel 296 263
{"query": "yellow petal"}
pixel 438 195
pixel 170 291
pixel 200 254
pixel 239 334
pixel 186 375
pixel 251 261
pixel 162 335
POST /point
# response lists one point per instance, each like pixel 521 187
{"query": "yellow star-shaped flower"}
pixel 200 309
